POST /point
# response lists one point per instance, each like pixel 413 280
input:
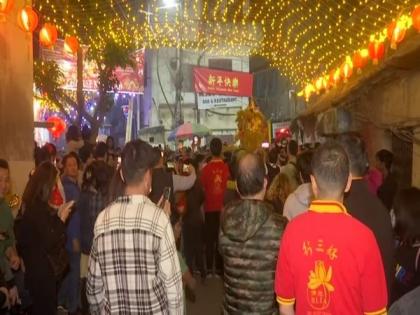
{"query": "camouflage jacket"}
pixel 249 242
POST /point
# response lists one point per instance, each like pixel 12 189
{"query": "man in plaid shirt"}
pixel 133 265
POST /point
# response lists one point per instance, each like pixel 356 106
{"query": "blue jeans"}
pixel 69 293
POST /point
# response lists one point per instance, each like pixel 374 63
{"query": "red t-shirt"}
pixel 329 264
pixel 214 177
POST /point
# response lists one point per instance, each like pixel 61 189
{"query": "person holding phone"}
pixel 41 238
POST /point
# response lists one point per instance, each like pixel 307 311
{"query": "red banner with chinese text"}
pixel 219 82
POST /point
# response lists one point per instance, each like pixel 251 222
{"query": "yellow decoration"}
pixel 252 127
pixel 304 39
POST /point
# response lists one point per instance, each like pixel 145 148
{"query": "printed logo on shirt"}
pixel 320 285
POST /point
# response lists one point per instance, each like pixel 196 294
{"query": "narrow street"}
pixel 209 298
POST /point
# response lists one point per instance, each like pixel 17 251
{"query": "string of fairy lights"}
pixel 304 39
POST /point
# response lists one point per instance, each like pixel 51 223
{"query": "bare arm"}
pixel 286 309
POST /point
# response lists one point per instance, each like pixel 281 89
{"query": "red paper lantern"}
pixel 376 51
pixel 48 35
pixel 346 69
pixel 27 19
pixel 5 6
pixel 59 126
pixel 360 59
pixel 396 33
pixel 71 44
pixel 416 18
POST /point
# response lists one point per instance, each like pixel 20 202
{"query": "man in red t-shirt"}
pixel 329 263
pixel 214 177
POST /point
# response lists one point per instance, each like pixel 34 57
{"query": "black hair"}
pixel 97 176
pixel 273 156
pixel 71 155
pixel 356 152
pixel 109 138
pixel 293 147
pixel 46 153
pixel 86 132
pixel 303 164
pixel 40 184
pixel 137 158
pixel 407 214
pixel 251 175
pixel 385 157
pixel 331 168
pixel 216 147
pixel 4 164
pixel 101 150
pixel 73 133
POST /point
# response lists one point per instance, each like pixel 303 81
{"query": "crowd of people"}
pixel 289 230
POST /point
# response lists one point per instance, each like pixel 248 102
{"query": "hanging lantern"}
pixel 325 81
pixel 360 59
pixel 309 89
pixel 347 69
pixel 376 51
pixel 396 33
pixel 415 16
pixel 48 35
pixel 5 6
pixel 27 19
pixel 71 45
pixel 58 127
pixel 318 85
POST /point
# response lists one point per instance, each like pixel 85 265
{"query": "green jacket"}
pixel 249 243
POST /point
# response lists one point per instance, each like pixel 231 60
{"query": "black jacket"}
pixel 369 210
pixel 249 243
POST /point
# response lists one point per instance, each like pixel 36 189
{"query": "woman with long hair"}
pixel 278 192
pixel 41 238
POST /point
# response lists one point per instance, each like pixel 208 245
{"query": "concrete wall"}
pixel 396 104
pixel 16 113
pixel 161 113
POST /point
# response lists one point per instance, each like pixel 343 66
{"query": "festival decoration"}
pixel 360 59
pixel 71 45
pixel 415 17
pixel 376 50
pixel 347 69
pixel 58 128
pixel 5 6
pixel 304 39
pixel 252 127
pixel 48 35
pixel 396 33
pixel 27 19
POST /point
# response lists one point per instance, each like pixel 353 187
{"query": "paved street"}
pixel 209 298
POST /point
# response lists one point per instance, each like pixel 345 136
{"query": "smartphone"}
pixel 166 193
pixel 265 145
pixel 170 165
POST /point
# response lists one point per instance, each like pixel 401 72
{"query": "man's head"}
pixel 292 148
pixel 71 165
pixel 356 152
pixel 4 178
pixel 331 172
pixel 303 163
pixel 137 160
pixel 251 177
pixel 384 159
pixel 216 147
pixel 101 151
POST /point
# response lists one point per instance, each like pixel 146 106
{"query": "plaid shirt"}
pixel 133 264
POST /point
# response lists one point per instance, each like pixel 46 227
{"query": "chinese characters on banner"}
pixel 209 81
pixel 131 80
